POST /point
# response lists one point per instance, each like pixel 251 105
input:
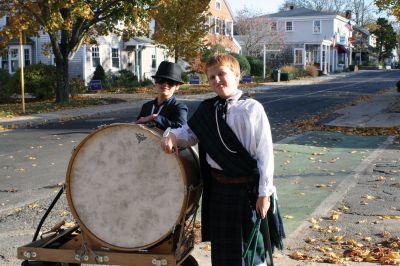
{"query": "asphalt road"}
pixel 34 161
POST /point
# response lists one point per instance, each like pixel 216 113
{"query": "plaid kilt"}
pixel 232 216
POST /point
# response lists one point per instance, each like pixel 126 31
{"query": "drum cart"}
pixel 69 247
pixel 110 228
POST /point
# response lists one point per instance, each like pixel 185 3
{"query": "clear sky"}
pixel 264 6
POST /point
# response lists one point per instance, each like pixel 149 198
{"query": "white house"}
pixel 139 54
pixel 315 38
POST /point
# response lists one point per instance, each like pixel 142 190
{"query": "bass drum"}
pixel 125 192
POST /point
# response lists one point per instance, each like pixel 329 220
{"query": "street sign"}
pixel 95 85
pixel 194 79
pixel 246 79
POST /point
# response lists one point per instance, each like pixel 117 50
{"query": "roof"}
pixel 300 12
pixel 139 41
pixel 362 30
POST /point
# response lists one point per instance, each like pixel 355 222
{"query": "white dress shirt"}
pixel 248 121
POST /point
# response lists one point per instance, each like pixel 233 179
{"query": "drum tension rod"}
pixel 159 262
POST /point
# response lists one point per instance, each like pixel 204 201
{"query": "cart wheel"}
pixel 190 261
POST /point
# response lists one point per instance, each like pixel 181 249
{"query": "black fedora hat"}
pixel 169 70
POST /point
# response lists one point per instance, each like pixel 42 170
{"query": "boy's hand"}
pixel 168 144
pixel 146 119
pixel 262 206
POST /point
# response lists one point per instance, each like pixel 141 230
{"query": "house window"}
pixel 217 25
pixel 115 57
pixel 289 25
pixel 227 27
pixel 14 62
pixel 95 56
pixel 218 5
pixel 317 26
pixel 273 26
pixel 153 59
pixel 4 60
pixel 27 57
pixel 298 56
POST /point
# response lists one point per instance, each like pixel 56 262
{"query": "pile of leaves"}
pixel 338 250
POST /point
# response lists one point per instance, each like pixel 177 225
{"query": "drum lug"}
pixel 159 262
pixel 29 254
pixel 101 259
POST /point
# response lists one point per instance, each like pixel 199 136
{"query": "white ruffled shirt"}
pixel 250 124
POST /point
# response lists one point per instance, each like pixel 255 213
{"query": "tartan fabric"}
pixel 231 221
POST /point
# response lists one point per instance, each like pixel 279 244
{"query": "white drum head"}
pixel 124 189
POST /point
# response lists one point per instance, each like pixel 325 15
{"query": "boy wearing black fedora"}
pixel 164 111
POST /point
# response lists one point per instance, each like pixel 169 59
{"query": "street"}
pixel 34 161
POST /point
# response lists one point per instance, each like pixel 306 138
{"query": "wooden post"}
pixel 21 62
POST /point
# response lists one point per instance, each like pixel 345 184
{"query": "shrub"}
pixel 256 66
pixel 147 82
pixel 100 74
pixel 289 69
pixel 244 64
pixel 40 81
pixel 312 71
pixel 77 86
pixel 185 77
pixel 125 78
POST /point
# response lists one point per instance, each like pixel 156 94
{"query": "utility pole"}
pixel 21 64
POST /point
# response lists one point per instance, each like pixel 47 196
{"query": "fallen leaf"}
pixel 369 197
pixel 336 238
pixel 380 178
pixel 310 240
pixel 334 215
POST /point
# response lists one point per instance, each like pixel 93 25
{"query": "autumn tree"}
pixel 70 22
pixel 392 6
pixel 385 39
pixel 181 26
pixel 256 30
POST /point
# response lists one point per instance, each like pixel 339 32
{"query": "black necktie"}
pixel 222 108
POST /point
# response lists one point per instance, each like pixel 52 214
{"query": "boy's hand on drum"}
pixel 169 145
pixel 146 119
pixel 262 206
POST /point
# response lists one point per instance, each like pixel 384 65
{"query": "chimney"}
pixel 348 14
pixel 289 6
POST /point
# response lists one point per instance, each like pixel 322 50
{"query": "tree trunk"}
pixel 62 94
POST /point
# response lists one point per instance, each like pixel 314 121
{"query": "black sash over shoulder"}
pixel 220 142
